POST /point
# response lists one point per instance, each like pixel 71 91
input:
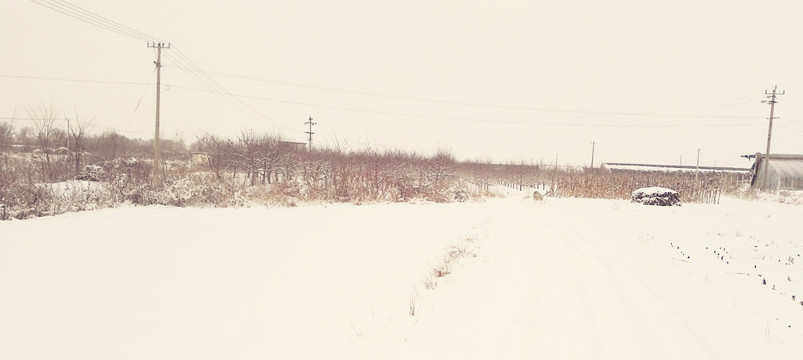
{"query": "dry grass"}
pixel 467 247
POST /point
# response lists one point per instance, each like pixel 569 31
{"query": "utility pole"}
pixel 310 123
pixel 156 156
pixel 772 101
pixel 593 144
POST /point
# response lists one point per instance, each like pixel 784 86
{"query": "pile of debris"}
pixel 656 196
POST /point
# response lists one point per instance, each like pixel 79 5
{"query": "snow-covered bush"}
pixel 91 173
pixel 656 196
pixel 460 195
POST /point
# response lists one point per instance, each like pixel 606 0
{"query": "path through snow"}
pixel 563 278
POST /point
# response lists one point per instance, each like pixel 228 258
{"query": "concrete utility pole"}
pixel 593 144
pixel 310 123
pixel 156 156
pixel 772 101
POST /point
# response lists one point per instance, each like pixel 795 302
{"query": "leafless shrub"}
pixel 44 120
pixel 6 135
pixel 78 132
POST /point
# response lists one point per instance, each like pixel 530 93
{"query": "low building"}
pixel 293 146
pixel 674 168
pixel 780 172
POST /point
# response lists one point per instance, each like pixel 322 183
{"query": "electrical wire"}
pixel 195 72
pixel 215 87
pixel 65 119
pixel 91 18
pixel 481 105
pixel 139 101
pixel 72 80
pixel 211 86
pixel 480 120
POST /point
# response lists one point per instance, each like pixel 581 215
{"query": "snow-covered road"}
pixel 563 278
pixel 558 286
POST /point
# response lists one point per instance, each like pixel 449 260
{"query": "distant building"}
pixel 673 168
pixel 785 172
pixel 293 146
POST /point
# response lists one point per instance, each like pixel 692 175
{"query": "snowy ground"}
pixel 562 278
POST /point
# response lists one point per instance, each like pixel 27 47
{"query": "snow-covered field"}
pixel 562 278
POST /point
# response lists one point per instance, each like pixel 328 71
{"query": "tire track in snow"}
pixel 588 306
pixel 574 319
pixel 636 283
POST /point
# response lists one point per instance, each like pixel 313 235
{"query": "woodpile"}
pixel 657 196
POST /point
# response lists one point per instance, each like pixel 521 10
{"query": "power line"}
pixel 196 73
pixel 8 118
pixel 91 18
pixel 437 117
pixel 72 80
pixel 133 113
pixel 219 90
pixel 201 77
pixel 789 128
pixel 210 88
pixel 481 105
pixel 224 94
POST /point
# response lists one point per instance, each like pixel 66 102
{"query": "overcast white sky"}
pixel 649 81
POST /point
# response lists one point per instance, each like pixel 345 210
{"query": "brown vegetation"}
pixel 255 168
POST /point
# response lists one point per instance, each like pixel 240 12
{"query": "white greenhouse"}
pixel 783 172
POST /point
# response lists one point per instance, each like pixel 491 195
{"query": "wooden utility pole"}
pixel 156 156
pixel 772 101
pixel 310 123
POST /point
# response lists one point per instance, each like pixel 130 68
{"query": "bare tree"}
pixel 217 151
pixel 247 153
pixel 269 154
pixel 25 137
pixel 107 145
pixel 440 165
pixel 6 135
pixel 78 135
pixel 44 120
